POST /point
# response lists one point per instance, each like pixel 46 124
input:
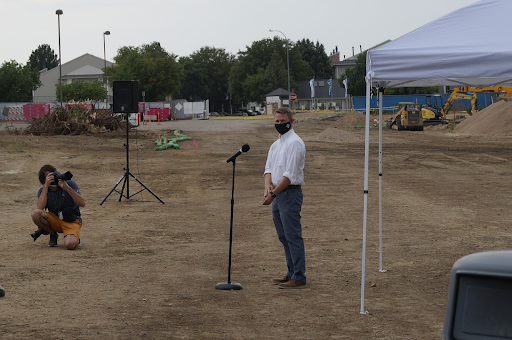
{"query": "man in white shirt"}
pixel 284 176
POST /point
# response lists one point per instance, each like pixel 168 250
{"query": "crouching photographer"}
pixel 58 208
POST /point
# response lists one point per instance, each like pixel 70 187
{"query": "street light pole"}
pixel 59 12
pixel 287 57
pixel 105 71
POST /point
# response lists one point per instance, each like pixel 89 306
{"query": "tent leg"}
pixel 381 93
pixel 366 157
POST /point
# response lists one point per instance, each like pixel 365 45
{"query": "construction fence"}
pixel 153 111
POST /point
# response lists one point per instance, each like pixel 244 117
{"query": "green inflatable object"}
pixel 165 143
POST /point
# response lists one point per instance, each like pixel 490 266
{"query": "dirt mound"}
pixel 344 129
pixel 334 135
pixel 494 119
pixel 351 119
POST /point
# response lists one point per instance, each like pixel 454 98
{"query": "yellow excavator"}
pixel 431 111
pixel 434 112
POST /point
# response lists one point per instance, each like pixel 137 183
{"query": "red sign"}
pixel 293 97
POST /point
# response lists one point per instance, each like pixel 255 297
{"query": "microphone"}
pixel 244 148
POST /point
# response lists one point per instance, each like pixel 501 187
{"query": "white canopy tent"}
pixel 470 46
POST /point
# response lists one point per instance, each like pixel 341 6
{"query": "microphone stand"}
pixel 230 285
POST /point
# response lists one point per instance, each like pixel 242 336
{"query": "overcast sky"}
pixel 185 26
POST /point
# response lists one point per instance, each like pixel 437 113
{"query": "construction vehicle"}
pixel 408 117
pixel 500 92
pixel 431 112
pixel 482 89
pixel 411 116
pixel 434 111
pixel 454 96
pixel 506 96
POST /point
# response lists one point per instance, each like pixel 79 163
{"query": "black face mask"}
pixel 283 128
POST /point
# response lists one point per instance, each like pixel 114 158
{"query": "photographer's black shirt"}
pixel 60 199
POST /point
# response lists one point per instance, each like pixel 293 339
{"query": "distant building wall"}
pixel 483 100
pixel 50 78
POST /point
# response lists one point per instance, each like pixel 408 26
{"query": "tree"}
pixel 43 57
pixel 316 57
pixel 157 71
pixel 16 81
pixel 269 79
pixel 249 79
pixel 356 82
pixel 206 76
pixel 80 91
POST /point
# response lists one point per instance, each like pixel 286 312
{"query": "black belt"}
pixel 291 187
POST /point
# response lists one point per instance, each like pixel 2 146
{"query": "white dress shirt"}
pixel 286 158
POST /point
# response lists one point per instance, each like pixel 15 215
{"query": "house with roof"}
pixel 279 96
pixel 337 100
pixel 86 68
pixel 276 99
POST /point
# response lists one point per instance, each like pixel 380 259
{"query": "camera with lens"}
pixel 66 176
pixel 38 233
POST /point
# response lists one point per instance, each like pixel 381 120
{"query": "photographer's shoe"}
pixel 53 239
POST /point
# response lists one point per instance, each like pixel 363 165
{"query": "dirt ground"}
pixel 147 270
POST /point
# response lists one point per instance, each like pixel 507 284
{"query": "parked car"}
pixel 258 113
pixel 238 113
pixel 214 114
pixel 249 112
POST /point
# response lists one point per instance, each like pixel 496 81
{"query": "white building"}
pixel 86 67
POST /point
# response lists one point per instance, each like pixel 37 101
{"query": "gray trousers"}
pixel 286 209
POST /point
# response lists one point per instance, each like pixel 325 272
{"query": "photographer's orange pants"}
pixel 67 228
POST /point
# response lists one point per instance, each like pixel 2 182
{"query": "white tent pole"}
pixel 381 94
pixel 366 156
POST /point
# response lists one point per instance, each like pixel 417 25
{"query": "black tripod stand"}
pixel 230 285
pixel 127 173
